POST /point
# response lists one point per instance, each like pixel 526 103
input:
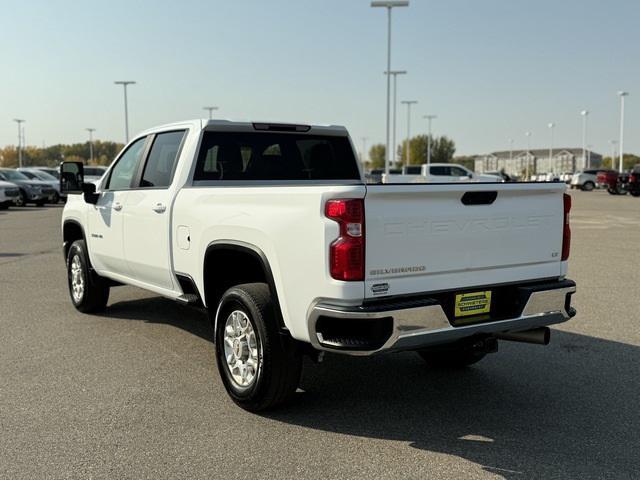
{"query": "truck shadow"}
pixel 163 311
pixel 569 410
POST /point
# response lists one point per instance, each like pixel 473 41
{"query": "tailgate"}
pixel 423 238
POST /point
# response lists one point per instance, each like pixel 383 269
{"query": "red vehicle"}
pixel 621 183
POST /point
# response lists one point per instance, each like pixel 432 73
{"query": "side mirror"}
pixel 71 177
pixel 89 191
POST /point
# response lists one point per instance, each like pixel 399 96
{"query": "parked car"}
pixel 586 180
pixel 50 170
pixel 441 173
pixel 30 191
pixel 94 173
pixel 272 229
pixel 504 176
pixel 8 194
pixel 53 182
pixel 566 177
pixel 621 183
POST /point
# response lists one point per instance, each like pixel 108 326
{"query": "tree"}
pixel 377 155
pixel 466 161
pixel 104 153
pixel 442 150
pixel 628 162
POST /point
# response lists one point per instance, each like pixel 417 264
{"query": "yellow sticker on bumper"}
pixel 473 303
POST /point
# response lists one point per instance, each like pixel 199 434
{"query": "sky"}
pixel 489 69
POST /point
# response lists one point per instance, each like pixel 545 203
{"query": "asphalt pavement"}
pixel 134 392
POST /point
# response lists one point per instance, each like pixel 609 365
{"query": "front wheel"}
pixel 259 367
pixel 588 186
pixel 21 200
pixel 89 292
pixel 635 193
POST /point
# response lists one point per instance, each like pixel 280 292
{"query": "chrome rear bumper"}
pixel 423 326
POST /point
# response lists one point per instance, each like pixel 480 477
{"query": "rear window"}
pixel 275 156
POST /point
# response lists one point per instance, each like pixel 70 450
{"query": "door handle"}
pixel 159 208
pixel 117 206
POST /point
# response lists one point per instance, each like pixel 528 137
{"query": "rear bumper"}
pixel 423 322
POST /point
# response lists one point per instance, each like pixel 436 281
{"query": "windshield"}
pixel 13 175
pixel 43 175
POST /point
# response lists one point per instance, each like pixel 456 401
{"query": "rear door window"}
pixel 163 156
pixel 440 171
pixel 255 156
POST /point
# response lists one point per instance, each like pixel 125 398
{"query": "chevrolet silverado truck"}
pixel 272 229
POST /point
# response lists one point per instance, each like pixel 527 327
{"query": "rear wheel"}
pixel 89 291
pixel 588 186
pixel 259 367
pixel 55 198
pixel 635 193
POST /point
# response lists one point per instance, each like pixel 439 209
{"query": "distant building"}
pixel 564 160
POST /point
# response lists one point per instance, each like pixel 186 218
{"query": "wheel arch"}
pixel 243 263
pixel 71 231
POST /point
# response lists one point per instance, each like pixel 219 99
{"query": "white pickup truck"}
pixel 271 228
pixel 438 173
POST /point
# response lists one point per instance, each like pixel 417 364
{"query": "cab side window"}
pixel 123 172
pixel 161 164
pixel 440 171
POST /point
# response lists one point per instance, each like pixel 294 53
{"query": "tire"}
pixel 89 292
pixel 55 199
pixel 612 191
pixel 635 193
pixel 21 200
pixel 4 206
pixel 454 358
pixel 588 186
pixel 267 364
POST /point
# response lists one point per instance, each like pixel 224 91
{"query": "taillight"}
pixel 566 232
pixel 346 253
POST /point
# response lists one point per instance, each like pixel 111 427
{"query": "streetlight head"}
pixel 623 94
pixel 551 125
pixel 390 3
pixel 584 113
pixel 528 134
pixel 124 82
pixel 409 102
pixel 396 72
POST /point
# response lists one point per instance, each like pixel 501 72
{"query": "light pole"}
pixel 613 151
pixel 551 127
pixel 585 114
pixel 19 121
pixel 621 163
pixel 124 83
pixel 364 151
pixel 510 149
pixel 408 103
pixel 395 74
pixel 211 109
pixel 429 119
pixel 389 4
pixel 528 135
pixel 90 130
